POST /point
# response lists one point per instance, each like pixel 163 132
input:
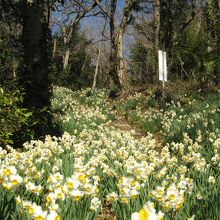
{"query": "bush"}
pixel 13 118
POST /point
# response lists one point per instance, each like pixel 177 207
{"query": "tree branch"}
pixel 102 8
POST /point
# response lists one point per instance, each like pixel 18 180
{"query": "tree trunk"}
pixel 117 63
pixel 66 58
pixel 213 39
pixel 121 63
pixel 121 70
pixel 54 47
pixel 113 76
pixel 14 69
pixel 66 43
pixel 84 64
pixel 34 73
pixel 167 32
pixel 36 46
pixel 96 69
pixel 156 17
pixel 166 25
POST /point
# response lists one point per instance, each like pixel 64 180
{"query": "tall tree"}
pixel 156 31
pixel 66 18
pixel 33 17
pixel 37 48
pixel 10 33
pixel 213 29
pixel 80 67
pixel 98 51
pixel 175 17
pixel 117 72
pixel 156 23
pixel 34 72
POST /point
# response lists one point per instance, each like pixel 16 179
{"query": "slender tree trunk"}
pixel 66 58
pixel 96 69
pixel 67 31
pixel 14 69
pixel 156 17
pixel 54 47
pixel 213 33
pixel 66 43
pixel 84 64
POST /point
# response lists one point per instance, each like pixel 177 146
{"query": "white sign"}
pixel 162 56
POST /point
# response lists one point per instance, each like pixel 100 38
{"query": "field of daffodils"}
pixel 95 171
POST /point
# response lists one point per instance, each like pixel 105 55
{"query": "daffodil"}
pixel 112 197
pixel 53 216
pixel 147 213
pixel 76 194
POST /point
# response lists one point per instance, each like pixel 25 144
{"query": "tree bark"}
pixel 121 70
pixel 156 17
pixel 113 76
pixel 213 41
pixel 54 47
pixel 117 70
pixel 121 62
pixel 66 58
pixel 36 45
pixel 34 73
pixel 96 69
pixel 84 64
pixel 156 20
pixel 166 25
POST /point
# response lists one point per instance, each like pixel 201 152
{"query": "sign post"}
pixel 162 57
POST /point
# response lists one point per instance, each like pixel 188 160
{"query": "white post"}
pixel 160 62
pixel 162 57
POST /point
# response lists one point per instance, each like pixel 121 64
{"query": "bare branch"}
pixel 103 9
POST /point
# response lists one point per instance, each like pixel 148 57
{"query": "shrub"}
pixel 13 118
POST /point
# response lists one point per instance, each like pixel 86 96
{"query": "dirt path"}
pixel 123 125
